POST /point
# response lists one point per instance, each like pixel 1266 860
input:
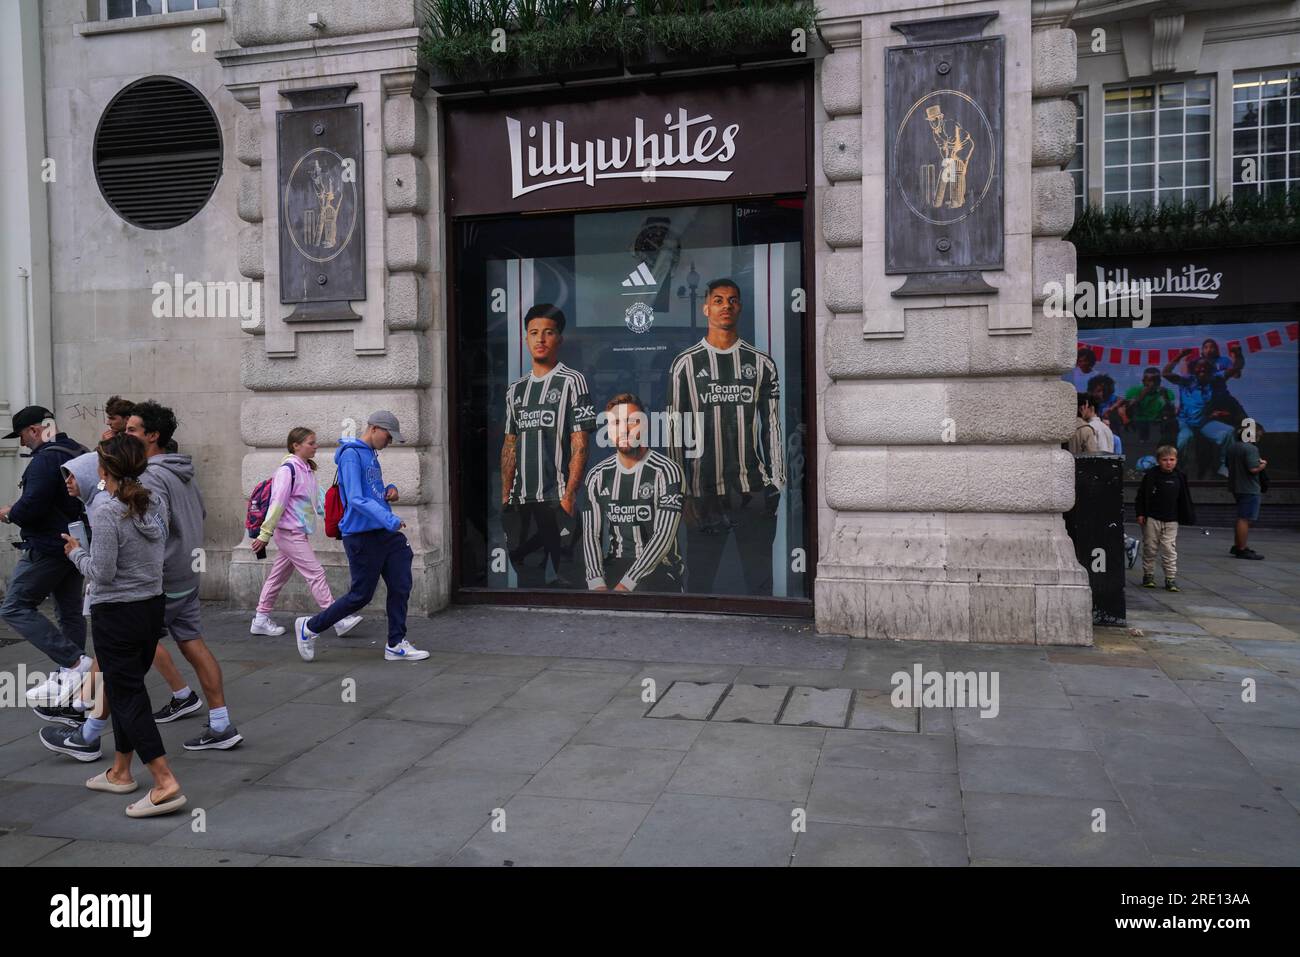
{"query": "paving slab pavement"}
pixel 535 737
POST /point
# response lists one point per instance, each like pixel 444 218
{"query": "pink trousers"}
pixel 294 552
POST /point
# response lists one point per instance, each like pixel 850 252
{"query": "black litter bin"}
pixel 1097 522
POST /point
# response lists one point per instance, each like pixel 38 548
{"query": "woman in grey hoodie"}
pixel 124 566
pixel 87 713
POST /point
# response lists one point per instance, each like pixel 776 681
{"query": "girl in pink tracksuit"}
pixel 296 500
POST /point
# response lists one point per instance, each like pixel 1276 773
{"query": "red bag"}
pixel 334 508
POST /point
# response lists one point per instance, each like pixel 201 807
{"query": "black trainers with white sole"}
pixel 210 740
pixel 69 716
pixel 69 741
pixel 178 708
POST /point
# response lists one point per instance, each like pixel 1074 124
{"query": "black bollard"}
pixel 1096 525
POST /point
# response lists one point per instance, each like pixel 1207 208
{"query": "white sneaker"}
pixel 61 686
pixel 306 640
pixel 404 652
pixel 263 625
pixel 347 624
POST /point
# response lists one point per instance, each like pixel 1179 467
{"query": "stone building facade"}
pixel 941 481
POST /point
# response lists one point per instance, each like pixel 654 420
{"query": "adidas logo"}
pixel 641 276
pixel 702 374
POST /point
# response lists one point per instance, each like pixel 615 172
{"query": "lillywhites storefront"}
pixel 631 340
pixel 1228 315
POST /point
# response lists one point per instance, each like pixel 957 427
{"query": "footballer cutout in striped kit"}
pixel 630 522
pixel 734 396
pixel 544 413
pixel 731 394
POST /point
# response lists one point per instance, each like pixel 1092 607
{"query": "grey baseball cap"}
pixel 388 422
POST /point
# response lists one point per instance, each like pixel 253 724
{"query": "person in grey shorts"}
pixel 1244 468
pixel 171 477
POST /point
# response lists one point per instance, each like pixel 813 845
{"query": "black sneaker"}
pixel 1234 551
pixel 1148 581
pixel 176 708
pixel 1251 554
pixel 210 739
pixel 70 742
pixel 1171 585
pixel 69 716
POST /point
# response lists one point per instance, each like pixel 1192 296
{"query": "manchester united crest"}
pixel 639 317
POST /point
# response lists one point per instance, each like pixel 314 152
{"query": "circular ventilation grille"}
pixel 157 153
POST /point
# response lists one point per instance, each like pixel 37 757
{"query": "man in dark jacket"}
pixel 42 512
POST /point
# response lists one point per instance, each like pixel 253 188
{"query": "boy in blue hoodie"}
pixel 373 541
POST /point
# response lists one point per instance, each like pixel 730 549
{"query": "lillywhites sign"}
pixel 677 152
pixel 675 141
pixel 1189 282
pixel 1254 275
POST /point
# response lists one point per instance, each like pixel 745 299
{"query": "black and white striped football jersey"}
pixel 638 510
pixel 544 413
pixel 733 397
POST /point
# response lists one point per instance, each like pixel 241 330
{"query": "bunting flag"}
pixel 1272 339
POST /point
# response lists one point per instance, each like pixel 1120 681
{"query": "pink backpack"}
pixel 259 502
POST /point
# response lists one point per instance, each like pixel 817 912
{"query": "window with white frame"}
pixel 119 9
pixel 1265 131
pixel 1159 143
pixel 1078 165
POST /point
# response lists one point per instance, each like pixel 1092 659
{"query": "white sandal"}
pixel 146 808
pixel 100 782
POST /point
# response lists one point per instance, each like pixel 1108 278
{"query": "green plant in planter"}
pixel 458 37
pixel 527 15
pixel 1249 219
pixel 750 23
pixel 553 13
pixel 498 13
pixel 560 35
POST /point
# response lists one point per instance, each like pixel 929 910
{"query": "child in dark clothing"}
pixel 1163 502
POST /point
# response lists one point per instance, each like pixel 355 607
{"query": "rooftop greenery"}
pixel 1248 220
pixel 551 36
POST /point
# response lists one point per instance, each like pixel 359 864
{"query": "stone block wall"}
pixel 330 375
pixel 106 338
pixel 943 480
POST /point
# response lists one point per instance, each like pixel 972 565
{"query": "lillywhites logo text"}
pixel 77 910
pixel 1190 282
pixel 682 150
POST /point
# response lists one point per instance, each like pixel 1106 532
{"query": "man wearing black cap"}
pixel 42 512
